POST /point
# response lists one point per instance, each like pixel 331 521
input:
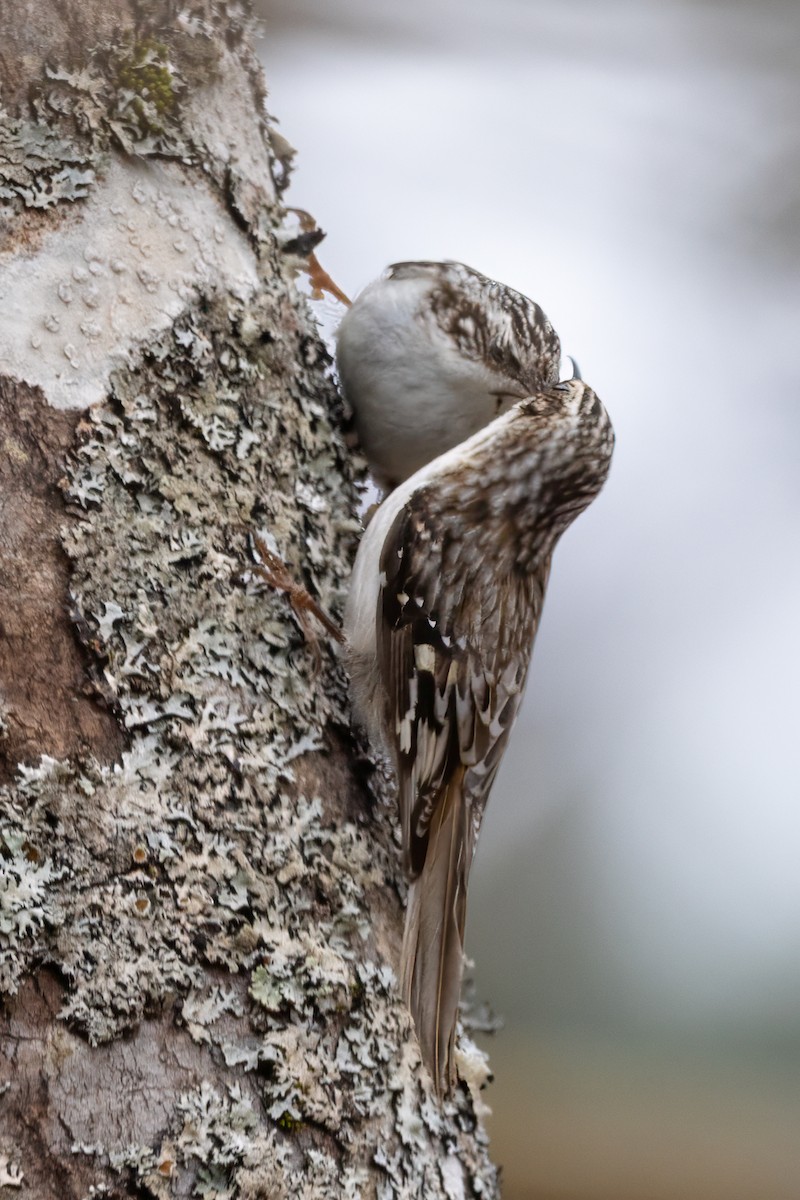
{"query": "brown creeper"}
pixel 445 599
pixel 430 353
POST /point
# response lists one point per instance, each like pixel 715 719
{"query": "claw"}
pixel 576 371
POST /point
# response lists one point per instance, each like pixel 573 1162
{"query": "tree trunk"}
pixel 200 891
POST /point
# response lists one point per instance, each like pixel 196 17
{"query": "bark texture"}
pixel 200 891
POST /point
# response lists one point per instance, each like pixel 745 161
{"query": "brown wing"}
pixel 446 626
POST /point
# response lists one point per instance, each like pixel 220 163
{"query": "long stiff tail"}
pixel 433 942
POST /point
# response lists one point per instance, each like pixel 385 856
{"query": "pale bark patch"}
pixel 119 270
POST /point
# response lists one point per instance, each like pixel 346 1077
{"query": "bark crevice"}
pixel 48 704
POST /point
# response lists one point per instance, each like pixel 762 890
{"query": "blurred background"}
pixel 635 905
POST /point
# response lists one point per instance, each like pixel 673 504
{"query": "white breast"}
pixel 412 391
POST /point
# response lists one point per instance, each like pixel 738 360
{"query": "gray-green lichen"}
pixel 39 167
pixel 53 152
pixel 209 675
pixel 203 849
pixel 140 94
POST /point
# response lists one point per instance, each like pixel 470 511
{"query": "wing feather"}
pixel 454 652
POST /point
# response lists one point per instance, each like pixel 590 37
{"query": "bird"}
pixel 431 352
pixel 444 603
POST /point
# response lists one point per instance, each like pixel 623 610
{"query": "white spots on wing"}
pixel 404 731
pixel 405 724
pixel 403 728
pixel 425 657
pixel 496 727
pixel 402 599
pixel 509 680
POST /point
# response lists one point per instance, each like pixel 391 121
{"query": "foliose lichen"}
pixel 39 167
pixel 137 95
pixel 202 849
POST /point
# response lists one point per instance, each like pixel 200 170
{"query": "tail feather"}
pixel 433 942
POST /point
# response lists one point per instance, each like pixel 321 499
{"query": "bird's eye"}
pixel 504 400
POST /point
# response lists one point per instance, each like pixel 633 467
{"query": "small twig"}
pixel 273 570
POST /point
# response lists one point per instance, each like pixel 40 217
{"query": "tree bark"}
pixel 200 890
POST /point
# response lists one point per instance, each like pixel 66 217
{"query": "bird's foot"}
pixel 318 277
